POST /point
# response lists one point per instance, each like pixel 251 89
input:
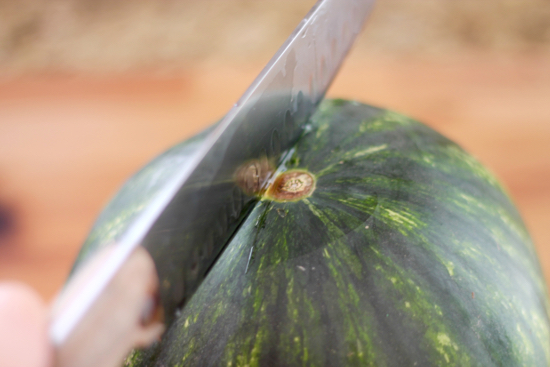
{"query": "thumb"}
pixel 23 327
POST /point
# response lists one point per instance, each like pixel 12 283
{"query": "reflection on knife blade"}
pixel 189 215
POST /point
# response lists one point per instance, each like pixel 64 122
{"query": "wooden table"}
pixel 68 142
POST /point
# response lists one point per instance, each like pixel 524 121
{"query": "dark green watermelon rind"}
pixel 407 253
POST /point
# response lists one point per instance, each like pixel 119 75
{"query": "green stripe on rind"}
pixel 408 253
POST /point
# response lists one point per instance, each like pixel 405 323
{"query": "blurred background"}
pixel 90 90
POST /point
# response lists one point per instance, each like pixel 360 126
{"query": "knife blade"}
pixel 193 213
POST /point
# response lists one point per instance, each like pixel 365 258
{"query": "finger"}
pixel 23 327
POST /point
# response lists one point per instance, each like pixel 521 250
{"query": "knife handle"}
pixel 126 315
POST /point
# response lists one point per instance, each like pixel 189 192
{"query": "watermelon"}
pixel 379 243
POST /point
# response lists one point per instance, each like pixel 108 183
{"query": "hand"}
pixel 23 327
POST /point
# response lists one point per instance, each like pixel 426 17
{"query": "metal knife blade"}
pixel 193 214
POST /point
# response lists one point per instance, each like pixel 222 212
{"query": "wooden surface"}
pixel 68 142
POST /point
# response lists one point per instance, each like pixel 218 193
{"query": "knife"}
pixel 126 291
